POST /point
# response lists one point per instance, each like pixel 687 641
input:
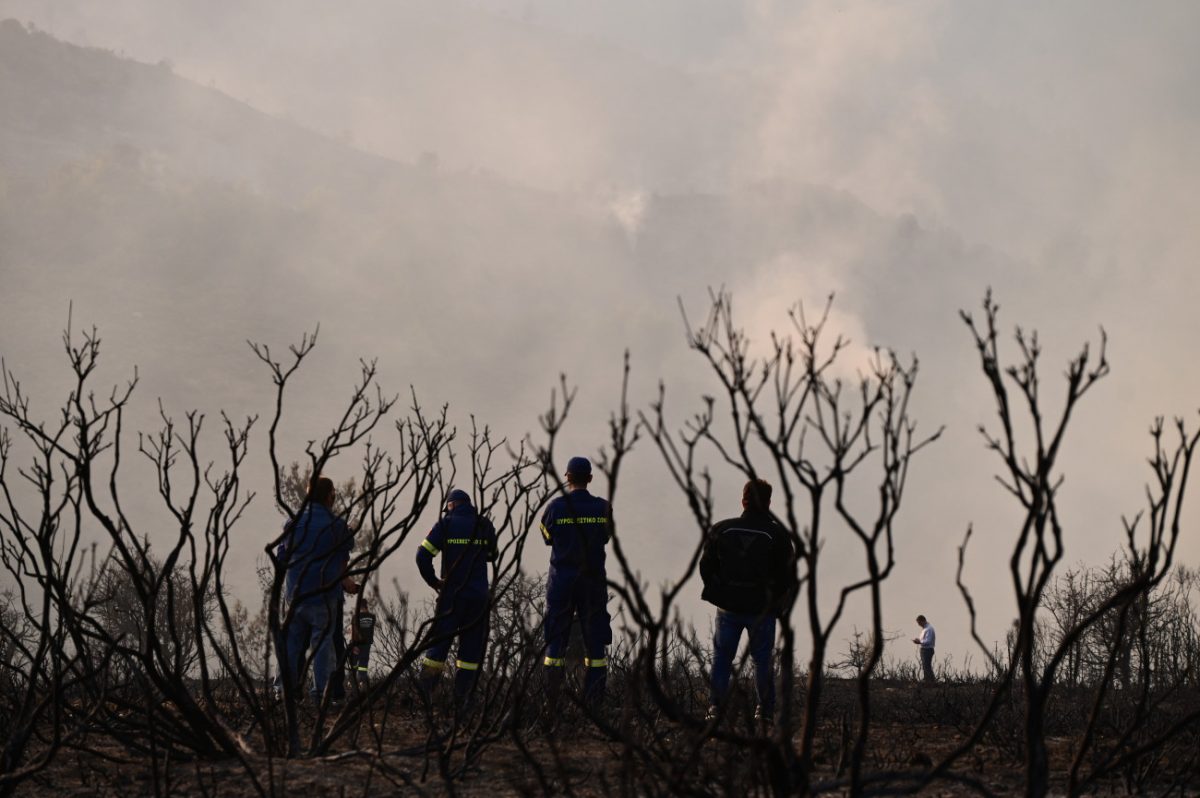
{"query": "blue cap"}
pixel 579 467
pixel 457 495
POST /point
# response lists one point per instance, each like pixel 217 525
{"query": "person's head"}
pixel 579 472
pixel 921 621
pixel 456 498
pixel 756 495
pixel 321 491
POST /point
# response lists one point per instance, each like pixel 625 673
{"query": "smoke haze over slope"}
pixel 484 195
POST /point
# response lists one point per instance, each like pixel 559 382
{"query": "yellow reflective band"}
pixel 433 663
pixel 596 663
pixel 545 532
pixel 467 666
pixel 362 668
pixel 555 662
pixel 429 547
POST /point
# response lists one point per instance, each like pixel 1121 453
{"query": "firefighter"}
pixel 362 635
pixel 577 526
pixel 467 543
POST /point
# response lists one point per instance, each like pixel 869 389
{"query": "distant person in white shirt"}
pixel 926 641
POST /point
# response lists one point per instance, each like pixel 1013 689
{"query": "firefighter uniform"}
pixel 466 542
pixel 362 635
pixel 577 526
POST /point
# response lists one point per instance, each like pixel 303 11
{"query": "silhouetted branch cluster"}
pixel 124 644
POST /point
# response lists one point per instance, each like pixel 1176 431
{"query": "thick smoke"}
pixel 496 196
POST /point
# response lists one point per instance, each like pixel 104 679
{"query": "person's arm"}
pixel 786 583
pixel 708 557
pixel 548 524
pixel 430 548
pixel 344 541
pixel 493 545
pixel 345 545
pixel 281 551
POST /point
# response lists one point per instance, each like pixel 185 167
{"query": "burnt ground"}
pixel 914 727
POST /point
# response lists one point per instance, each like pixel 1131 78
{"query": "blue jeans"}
pixel 311 631
pixel 729 628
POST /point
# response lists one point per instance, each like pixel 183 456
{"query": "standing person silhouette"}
pixel 315 550
pixel 466 542
pixel 927 641
pixel 577 526
pixel 748 566
pixel 362 635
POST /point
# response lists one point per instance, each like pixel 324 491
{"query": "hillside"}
pixel 134 187
pixel 183 222
pixel 129 186
pixel 478 89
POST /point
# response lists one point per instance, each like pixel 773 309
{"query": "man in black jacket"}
pixel 749 571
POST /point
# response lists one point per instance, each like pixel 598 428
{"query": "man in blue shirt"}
pixel 315 550
pixel 577 526
pixel 467 543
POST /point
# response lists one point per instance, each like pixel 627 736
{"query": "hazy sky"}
pixel 905 155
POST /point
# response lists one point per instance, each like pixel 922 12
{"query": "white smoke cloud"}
pixel 800 284
pixel 844 103
pixel 629 209
pixel 1051 151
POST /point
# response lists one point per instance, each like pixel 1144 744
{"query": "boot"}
pixel 555 675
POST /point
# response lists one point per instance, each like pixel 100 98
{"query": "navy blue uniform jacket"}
pixel 576 527
pixel 467 543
